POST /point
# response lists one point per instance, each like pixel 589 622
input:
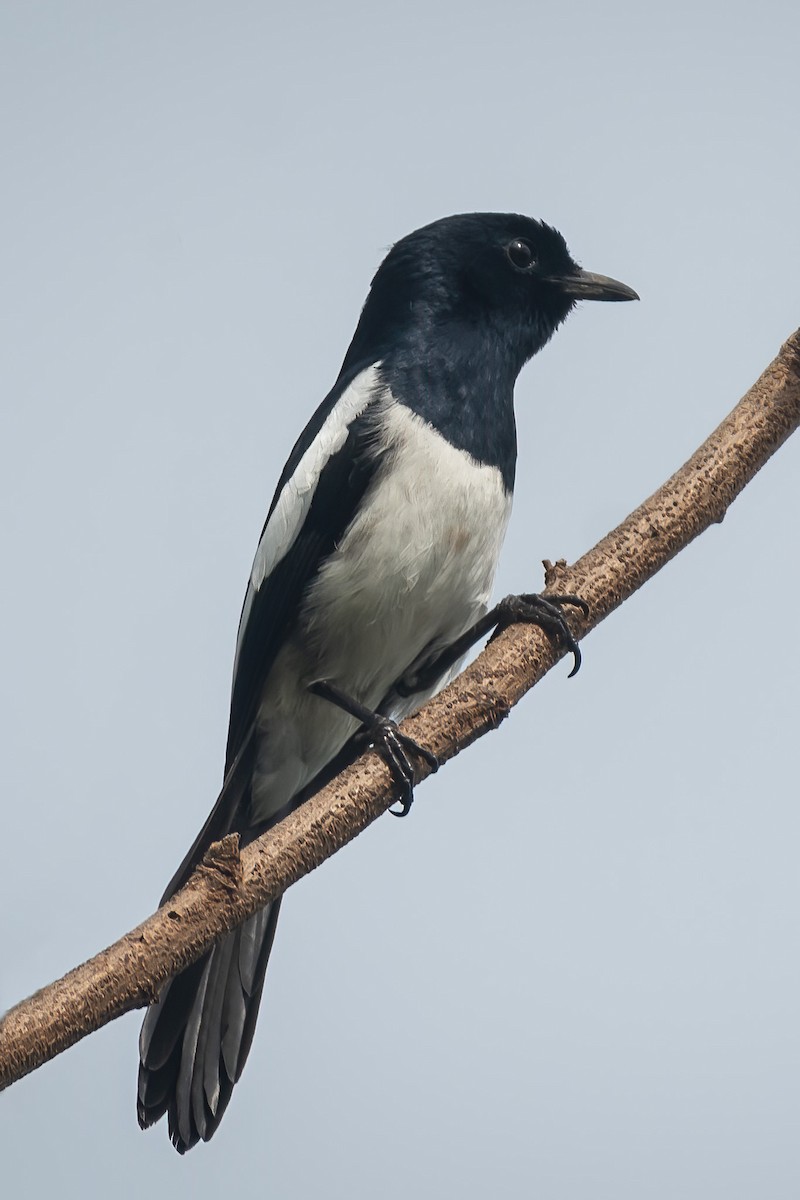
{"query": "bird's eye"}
pixel 520 254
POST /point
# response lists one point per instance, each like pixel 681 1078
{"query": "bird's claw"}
pixel 382 734
pixel 545 611
pixel 395 748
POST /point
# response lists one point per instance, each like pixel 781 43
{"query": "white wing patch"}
pixel 289 513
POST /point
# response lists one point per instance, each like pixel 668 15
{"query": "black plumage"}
pixel 377 555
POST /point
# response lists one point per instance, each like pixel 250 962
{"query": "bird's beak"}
pixel 585 285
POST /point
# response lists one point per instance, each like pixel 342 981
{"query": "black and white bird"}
pixel 371 580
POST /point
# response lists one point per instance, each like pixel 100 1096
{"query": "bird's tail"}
pixel 195 1040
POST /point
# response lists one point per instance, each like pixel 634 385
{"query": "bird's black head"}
pixel 473 284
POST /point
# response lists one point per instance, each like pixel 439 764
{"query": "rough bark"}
pixel 228 886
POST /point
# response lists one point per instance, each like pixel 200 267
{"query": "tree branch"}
pixel 228 887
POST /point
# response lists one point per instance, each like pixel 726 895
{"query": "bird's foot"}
pixel 546 612
pixel 397 750
pixel 383 735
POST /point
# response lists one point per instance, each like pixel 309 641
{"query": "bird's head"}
pixel 498 276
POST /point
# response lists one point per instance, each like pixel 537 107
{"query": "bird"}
pixel 371 580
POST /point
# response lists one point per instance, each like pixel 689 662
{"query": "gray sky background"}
pixel 573 972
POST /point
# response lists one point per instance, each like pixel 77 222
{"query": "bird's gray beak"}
pixel 585 285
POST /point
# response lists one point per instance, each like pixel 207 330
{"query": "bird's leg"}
pixel 381 733
pixel 529 608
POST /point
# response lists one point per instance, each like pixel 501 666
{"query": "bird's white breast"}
pixel 414 569
pixel 416 565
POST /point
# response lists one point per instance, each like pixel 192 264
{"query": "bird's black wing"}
pixel 275 604
pixel 271 609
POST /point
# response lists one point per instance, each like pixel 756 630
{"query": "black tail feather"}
pixel 195 1040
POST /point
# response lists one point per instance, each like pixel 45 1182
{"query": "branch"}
pixel 228 887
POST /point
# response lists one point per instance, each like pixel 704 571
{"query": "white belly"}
pixel 412 572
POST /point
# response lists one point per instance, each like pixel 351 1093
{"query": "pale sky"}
pixel 573 971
